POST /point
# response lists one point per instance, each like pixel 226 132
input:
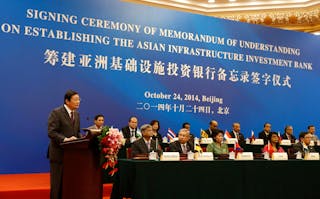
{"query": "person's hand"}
pixel 69 139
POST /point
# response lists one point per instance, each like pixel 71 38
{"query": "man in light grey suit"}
pixel 146 144
pixel 63 126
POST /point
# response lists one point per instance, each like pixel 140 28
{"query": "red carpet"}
pixel 32 186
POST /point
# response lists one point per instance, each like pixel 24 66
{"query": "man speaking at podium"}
pixel 63 126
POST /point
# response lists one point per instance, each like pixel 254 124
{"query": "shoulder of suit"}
pixel 92 127
pixel 190 143
pixel 60 108
pixel 297 144
pixel 174 143
pixel 125 128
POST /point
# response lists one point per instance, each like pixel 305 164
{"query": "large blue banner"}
pixel 127 59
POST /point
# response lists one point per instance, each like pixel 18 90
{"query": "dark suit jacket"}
pixel 210 134
pixel 139 147
pixel 59 127
pixel 176 147
pixel 241 139
pixel 127 134
pixel 284 136
pixel 263 136
pixel 299 147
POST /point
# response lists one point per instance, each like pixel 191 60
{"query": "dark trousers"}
pixel 56 180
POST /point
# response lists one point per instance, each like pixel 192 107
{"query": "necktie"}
pixel 148 145
pixel 72 117
pixel 184 149
pixel 132 134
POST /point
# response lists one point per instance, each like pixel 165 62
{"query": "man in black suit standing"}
pixel 304 145
pixel 182 145
pixel 265 133
pixel 145 144
pixel 63 126
pixel 235 133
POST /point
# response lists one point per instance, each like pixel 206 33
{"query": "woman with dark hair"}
pixel 156 135
pixel 273 145
pixel 217 147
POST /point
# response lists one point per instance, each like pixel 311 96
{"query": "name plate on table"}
pixel 206 140
pixel 279 156
pixel 258 142
pixel 231 141
pixel 285 142
pixel 153 155
pixel 170 156
pixel 245 156
pixel 204 156
pixel 311 156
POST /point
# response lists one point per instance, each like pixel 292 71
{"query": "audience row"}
pixel 148 138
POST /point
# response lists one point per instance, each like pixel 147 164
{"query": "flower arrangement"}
pixel 110 141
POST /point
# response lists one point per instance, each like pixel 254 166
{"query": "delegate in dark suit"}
pixel 213 132
pixel 209 133
pixel 139 147
pixel 292 138
pixel 127 134
pixel 60 128
pixel 241 139
pixel 264 136
pixel 176 146
pixel 299 147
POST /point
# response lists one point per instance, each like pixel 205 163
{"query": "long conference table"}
pixel 218 179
